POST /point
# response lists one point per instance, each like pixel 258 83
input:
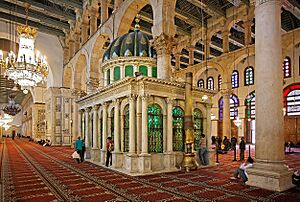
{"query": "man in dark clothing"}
pixel 233 146
pixel 242 149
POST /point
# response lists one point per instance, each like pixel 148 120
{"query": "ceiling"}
pixel 56 16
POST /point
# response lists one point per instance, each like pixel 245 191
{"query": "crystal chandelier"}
pixel 12 108
pixel 28 68
pixel 4 120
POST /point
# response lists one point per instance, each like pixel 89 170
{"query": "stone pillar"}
pixel 66 54
pixel 211 152
pixel 206 49
pixel 104 130
pixel 104 11
pixel 72 48
pixel 84 33
pixel 87 133
pixel 132 124
pixel 93 22
pixel 131 157
pixel 117 155
pixel 269 171
pixel 144 157
pixel 191 55
pixel 95 149
pixel 248 38
pixel 138 124
pixel 169 155
pixel 117 4
pixel 225 37
pixel 80 130
pixel 77 41
pixel 177 61
pixel 163 45
pixel 226 112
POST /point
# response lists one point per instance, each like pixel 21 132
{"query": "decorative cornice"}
pixel 120 61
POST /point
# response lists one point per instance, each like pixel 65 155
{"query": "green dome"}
pixel 131 44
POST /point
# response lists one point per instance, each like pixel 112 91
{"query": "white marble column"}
pixel 169 125
pixel 211 152
pixel 269 170
pixel 117 126
pixel 132 124
pixel 80 131
pixel 104 132
pixel 226 112
pixel 138 124
pixel 87 133
pixel 95 154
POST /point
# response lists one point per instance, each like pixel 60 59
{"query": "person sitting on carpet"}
pixel 241 171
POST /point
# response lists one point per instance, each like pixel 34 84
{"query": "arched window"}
pixel 201 83
pixel 250 106
pixel 198 127
pixel 249 76
pixel 287 67
pixel 178 130
pixel 117 73
pixel 143 70
pixel 234 103
pixel 155 129
pixel 112 125
pixel 291 98
pixel 219 81
pixel 126 129
pixel 210 83
pixel 235 79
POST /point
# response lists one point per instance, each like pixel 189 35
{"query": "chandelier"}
pixel 12 108
pixel 4 120
pixel 28 68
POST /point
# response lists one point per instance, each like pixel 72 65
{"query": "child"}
pixel 241 171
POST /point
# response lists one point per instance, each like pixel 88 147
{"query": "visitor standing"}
pixel 203 151
pixel 233 147
pixel 109 149
pixel 78 148
pixel 242 149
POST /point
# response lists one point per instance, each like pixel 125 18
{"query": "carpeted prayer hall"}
pixel 31 172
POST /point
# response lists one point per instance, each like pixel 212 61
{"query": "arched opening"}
pixel 126 129
pixel 155 129
pixel 178 129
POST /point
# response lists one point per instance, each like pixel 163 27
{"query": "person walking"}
pixel 203 151
pixel 242 149
pixel 109 149
pixel 78 148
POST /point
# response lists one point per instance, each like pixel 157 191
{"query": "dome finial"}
pixel 137 23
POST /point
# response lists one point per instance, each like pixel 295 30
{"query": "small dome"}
pixel 131 44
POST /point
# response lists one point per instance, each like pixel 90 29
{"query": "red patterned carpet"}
pixel 35 173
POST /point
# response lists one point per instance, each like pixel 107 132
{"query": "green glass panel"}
pixel 117 73
pixel 126 129
pixel 143 70
pixel 129 70
pixel 198 127
pixel 155 129
pixel 178 129
pixel 154 72
pixel 112 125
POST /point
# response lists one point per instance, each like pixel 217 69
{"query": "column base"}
pixel 87 154
pixel 103 156
pixel 211 157
pixel 270 176
pixel 145 163
pixel 95 155
pixel 117 160
pixel 169 161
pixel 131 163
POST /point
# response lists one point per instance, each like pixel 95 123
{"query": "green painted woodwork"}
pixel 198 127
pixel 155 129
pixel 178 129
pixel 143 70
pixel 154 72
pixel 129 70
pixel 117 73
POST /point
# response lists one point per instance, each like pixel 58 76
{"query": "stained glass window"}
pixel 155 129
pixel 126 129
pixel 234 103
pixel 219 81
pixel 249 76
pixel 178 129
pixel 112 125
pixel 291 97
pixel 210 83
pixel 201 83
pixel 250 105
pixel 235 79
pixel 101 129
pixel 198 127
pixel 287 67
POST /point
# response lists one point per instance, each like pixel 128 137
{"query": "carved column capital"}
pixel 169 100
pixel 78 93
pixel 163 44
pixel 88 109
pixel 96 107
pixel 131 97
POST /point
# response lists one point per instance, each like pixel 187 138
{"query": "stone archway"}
pixel 79 76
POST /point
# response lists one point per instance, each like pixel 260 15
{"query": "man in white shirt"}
pixel 241 171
